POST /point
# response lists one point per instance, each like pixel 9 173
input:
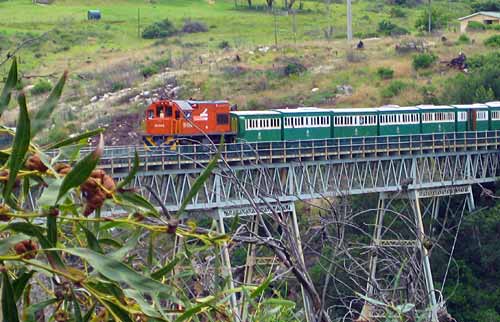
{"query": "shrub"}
pixel 493 27
pixel 388 28
pixel 424 60
pixel 41 87
pixel 482 83
pixel 393 89
pixel 160 29
pixel 294 68
pixel 224 45
pixel 464 39
pixel 117 85
pixel 475 26
pixel 385 73
pixel 493 41
pixel 191 27
pixel 397 12
pixel 149 71
pixel 438 20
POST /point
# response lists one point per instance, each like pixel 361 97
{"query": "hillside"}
pixel 120 247
pixel 242 55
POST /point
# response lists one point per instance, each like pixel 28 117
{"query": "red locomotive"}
pixel 176 121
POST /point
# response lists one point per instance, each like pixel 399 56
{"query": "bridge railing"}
pixel 120 159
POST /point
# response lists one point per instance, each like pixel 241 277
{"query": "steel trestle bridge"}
pixel 276 174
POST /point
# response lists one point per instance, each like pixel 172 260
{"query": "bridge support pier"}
pixel 287 211
pixel 414 208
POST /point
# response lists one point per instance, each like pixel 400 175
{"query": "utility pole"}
pixel 349 20
pixel 430 17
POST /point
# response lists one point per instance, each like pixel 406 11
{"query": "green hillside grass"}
pixel 117 31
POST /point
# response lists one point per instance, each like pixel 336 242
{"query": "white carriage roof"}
pixel 434 107
pixel 469 106
pixel 397 109
pixel 354 110
pixel 493 104
pixel 301 110
pixel 256 113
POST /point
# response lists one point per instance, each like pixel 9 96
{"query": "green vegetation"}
pixel 475 26
pixel 464 39
pixel 481 85
pixel 438 19
pixel 393 89
pixel 388 28
pixel 424 60
pixel 493 41
pixel 41 87
pixel 485 5
pixel 161 29
pixel 385 73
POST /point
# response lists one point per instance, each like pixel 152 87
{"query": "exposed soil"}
pixel 122 130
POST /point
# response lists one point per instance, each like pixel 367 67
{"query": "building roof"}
pixel 493 14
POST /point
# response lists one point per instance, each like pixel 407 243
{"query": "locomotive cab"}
pixel 179 121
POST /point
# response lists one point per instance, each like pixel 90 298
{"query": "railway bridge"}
pixel 254 178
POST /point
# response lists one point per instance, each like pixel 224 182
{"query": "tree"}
pixel 270 3
pixel 438 19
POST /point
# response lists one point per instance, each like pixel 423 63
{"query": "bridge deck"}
pixel 119 159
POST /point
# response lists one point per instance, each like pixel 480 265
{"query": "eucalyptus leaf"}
pixel 19 148
pixel 9 307
pixel 10 84
pixel 119 272
pixel 137 201
pixel 43 114
pixel 198 184
pixel 191 312
pixel 130 245
pixel 19 284
pixel 165 269
pixel 75 139
pixel 92 242
pixel 148 309
pixel 32 309
pixel 81 171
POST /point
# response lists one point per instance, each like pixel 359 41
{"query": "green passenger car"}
pixel 256 126
pixel 305 123
pixel 437 119
pixel 494 108
pixel 399 120
pixel 476 117
pixel 354 122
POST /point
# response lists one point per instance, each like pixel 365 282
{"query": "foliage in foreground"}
pixel 65 262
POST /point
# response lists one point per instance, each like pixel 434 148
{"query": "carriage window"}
pixel 222 119
pixel 169 111
pixel 151 114
pixel 177 114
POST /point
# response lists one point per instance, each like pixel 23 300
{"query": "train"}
pixel 173 122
